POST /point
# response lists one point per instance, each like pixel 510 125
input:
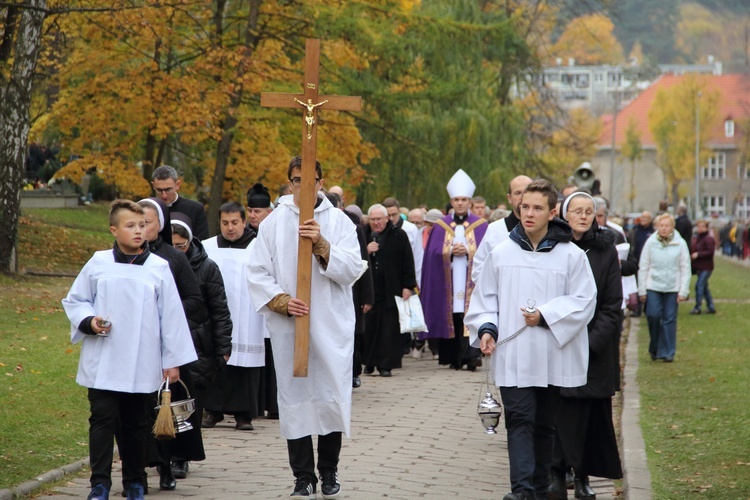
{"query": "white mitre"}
pixel 461 185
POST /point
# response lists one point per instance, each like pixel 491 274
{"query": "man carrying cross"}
pixel 319 403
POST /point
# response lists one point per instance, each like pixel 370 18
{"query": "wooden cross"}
pixel 311 102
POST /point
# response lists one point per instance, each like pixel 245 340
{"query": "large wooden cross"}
pixel 310 102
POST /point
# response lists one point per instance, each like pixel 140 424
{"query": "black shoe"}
pixel 668 360
pixel 385 373
pixel 98 492
pixel 569 480
pixel 144 483
pixel 356 382
pixel 303 488
pixel 211 419
pixel 653 356
pixel 558 490
pixel 272 415
pixel 369 370
pixel 329 484
pixel 712 311
pixel 166 477
pixel 180 469
pixel 582 488
pixel 520 495
pixel 695 311
pixel 244 424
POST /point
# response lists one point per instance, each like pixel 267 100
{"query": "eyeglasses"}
pixel 181 246
pixel 297 181
pixel 163 190
pixel 581 212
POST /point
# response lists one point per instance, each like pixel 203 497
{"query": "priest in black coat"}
pixel 166 183
pixel 393 275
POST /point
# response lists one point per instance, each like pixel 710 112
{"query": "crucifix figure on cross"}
pixel 312 103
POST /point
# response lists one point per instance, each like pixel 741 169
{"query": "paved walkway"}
pixel 415 435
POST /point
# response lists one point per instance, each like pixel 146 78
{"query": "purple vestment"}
pixel 436 291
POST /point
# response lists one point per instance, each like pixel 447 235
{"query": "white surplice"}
pixel 563 287
pixel 321 402
pixel 149 329
pixel 417 251
pixel 248 346
pixel 496 233
pixel 459 269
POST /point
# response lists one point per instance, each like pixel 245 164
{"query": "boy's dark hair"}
pixel 231 207
pixel 391 202
pixel 118 206
pixel 297 163
pixel 546 189
pixel 164 172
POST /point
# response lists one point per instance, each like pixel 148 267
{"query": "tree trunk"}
pixel 15 99
pixel 227 134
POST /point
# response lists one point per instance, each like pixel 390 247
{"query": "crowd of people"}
pixel 537 287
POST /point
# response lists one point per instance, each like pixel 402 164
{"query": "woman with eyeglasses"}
pixel 213 342
pixel 158 233
pixel 585 433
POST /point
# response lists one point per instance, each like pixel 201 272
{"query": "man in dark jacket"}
pixel 166 183
pixel 363 293
pixel 393 275
pixel 638 237
pixel 683 225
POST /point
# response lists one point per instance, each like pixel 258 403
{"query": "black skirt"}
pixel 587 438
pixel 383 344
pixel 235 391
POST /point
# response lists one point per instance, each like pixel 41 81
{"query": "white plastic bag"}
pixel 410 315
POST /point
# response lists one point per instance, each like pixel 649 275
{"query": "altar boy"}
pixel 536 268
pixel 124 308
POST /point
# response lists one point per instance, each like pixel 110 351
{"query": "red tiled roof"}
pixel 734 103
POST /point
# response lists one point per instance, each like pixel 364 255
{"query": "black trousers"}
pixel 301 456
pixel 530 423
pixel 111 411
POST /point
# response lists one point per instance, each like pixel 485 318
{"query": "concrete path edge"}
pixel 29 487
pixel 637 478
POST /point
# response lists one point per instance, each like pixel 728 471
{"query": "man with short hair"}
pixel 446 276
pixel 416 217
pixel 479 207
pixel 393 275
pixel 539 285
pixel 683 225
pixel 602 219
pixel 394 215
pixel 166 183
pixel 498 231
pixel 235 390
pixel 321 402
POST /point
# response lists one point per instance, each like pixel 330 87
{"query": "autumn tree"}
pixel 589 39
pixel 21 41
pixel 672 121
pixel 632 149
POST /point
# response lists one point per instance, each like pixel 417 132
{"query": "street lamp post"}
pixel 696 210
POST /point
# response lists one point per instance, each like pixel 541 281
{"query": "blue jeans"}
pixel 661 312
pixel 701 290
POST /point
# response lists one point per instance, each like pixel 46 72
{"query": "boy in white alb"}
pixel 125 310
pixel 537 267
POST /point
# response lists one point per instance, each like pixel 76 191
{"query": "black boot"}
pixel 582 487
pixel 166 477
pixel 557 489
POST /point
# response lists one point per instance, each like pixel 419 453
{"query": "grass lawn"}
pixel 43 415
pixel 694 412
pixel 61 240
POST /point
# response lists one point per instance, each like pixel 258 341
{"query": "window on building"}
pixel 715 205
pixel 729 128
pixel 717 167
pixel 599 77
pixel 743 171
pixel 743 207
